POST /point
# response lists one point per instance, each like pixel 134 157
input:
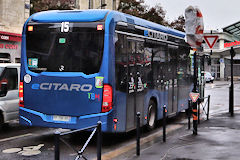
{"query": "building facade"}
pixel 13 14
pixel 220 55
pixel 97 4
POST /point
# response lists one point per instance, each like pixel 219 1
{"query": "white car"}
pixel 208 77
pixel 9 82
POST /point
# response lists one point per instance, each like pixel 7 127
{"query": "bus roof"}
pixel 93 15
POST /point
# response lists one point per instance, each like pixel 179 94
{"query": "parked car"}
pixel 208 77
pixel 9 82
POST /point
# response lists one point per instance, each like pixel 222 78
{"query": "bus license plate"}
pixel 61 118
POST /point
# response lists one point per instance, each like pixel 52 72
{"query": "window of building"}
pixel 17 60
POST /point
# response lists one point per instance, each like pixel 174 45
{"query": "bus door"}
pixel 175 95
pixel 140 77
pixel 172 79
pixel 135 96
pixel 170 96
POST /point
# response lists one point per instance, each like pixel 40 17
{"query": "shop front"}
pixel 10 47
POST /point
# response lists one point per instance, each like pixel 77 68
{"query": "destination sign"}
pixel 156 35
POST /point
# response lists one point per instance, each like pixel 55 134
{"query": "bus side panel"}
pixel 120 111
pixel 115 72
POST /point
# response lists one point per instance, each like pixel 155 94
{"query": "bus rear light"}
pixel 99 27
pixel 21 102
pixel 30 28
pixel 115 120
pixel 107 98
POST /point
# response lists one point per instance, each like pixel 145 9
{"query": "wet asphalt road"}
pixel 15 136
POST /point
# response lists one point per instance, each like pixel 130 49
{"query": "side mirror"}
pixel 4 89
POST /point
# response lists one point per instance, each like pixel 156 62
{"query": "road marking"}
pixel 26 151
pixel 12 150
pixel 15 137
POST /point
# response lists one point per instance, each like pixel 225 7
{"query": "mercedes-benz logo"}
pixel 61 68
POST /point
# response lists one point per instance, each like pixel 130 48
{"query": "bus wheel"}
pixel 151 121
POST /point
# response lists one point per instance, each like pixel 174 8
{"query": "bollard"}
pixel 230 98
pixel 231 103
pixel 99 140
pixel 195 117
pixel 57 148
pixel 138 134
pixel 189 114
pixel 208 107
pixel 164 123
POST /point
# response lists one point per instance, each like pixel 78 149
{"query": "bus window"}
pixel 121 61
pixel 80 50
pixel 148 66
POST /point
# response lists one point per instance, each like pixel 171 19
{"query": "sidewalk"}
pixel 217 138
pixel 222 83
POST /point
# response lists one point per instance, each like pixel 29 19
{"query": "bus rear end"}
pixel 62 79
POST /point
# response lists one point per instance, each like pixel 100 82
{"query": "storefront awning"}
pixel 233 29
pixel 224 53
pixel 7 36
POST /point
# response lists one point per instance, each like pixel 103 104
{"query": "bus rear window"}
pixel 80 49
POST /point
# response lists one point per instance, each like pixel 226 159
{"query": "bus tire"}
pixel 152 112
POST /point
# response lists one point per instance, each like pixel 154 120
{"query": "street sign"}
pixel 194 96
pixel 210 40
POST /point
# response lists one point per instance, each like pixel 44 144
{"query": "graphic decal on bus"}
pixel 93 96
pixel 140 85
pixel 131 85
pixel 32 62
pixel 62 86
pixel 99 82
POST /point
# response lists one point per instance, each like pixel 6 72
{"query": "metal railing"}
pixel 204 107
pixel 59 137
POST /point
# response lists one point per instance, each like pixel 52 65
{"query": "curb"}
pixel 132 145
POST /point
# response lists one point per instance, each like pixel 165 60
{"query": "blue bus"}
pixel 81 67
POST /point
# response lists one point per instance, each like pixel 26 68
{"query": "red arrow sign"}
pixel 194 96
pixel 210 40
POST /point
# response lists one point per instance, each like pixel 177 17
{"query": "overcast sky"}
pixel 216 13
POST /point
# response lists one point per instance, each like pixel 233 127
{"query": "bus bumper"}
pixel 33 118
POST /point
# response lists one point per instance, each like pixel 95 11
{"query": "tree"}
pixel 156 14
pixel 178 24
pixel 137 8
pixel 132 7
pixel 43 5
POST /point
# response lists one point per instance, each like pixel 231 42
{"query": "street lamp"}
pixel 231 89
